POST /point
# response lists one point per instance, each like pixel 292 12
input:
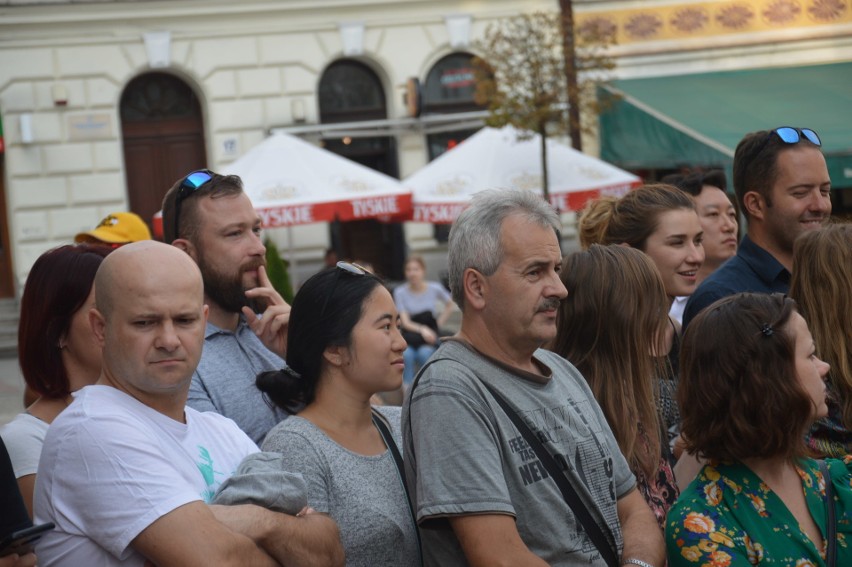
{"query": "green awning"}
pixel 698 120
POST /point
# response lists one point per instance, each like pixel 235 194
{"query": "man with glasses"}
pixel 209 217
pixel 782 187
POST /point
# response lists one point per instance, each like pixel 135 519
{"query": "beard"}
pixel 227 290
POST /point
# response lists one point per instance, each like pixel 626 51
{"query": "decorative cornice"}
pixel 706 19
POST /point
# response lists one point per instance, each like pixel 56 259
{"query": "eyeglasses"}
pixel 788 135
pixel 348 267
pixel 190 184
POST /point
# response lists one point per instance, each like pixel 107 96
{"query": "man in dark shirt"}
pixel 782 187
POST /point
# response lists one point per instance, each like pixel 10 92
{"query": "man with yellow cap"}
pixel 117 229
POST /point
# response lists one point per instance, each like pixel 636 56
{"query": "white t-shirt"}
pixel 23 437
pixel 111 466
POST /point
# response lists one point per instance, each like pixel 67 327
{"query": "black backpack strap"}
pixel 384 430
pixel 599 539
pixel 594 531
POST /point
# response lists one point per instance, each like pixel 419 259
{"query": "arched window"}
pixel 450 85
pixel 351 91
pixel 158 96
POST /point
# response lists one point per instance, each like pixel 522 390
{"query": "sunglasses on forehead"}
pixel 190 184
pixel 789 135
pixel 351 269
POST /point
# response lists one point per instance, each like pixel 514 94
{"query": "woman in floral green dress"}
pixel 751 386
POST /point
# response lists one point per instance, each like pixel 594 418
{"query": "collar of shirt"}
pixel 763 263
pixel 210 329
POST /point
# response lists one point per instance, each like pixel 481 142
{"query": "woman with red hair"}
pixel 57 349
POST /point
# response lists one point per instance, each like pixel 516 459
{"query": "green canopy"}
pixel 698 120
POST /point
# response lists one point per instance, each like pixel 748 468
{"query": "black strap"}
pixel 381 424
pixel 604 545
pixel 600 541
pixel 830 522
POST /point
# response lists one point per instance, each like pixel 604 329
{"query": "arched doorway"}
pixel 163 132
pixel 449 88
pixel 350 91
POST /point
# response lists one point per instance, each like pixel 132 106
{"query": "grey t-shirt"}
pixel 464 456
pixel 224 381
pixel 363 494
pixel 427 300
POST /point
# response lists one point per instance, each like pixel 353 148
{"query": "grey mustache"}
pixel 549 304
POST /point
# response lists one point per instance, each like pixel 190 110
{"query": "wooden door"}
pixel 163 132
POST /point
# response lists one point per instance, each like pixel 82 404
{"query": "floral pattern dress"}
pixel 660 490
pixel 829 437
pixel 728 517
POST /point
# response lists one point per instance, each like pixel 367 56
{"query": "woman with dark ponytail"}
pixel 344 345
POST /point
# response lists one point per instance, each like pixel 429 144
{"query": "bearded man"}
pixel 209 217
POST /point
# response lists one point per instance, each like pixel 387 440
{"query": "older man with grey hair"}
pixel 476 479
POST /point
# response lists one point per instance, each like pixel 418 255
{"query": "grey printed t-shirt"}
pixel 464 456
pixel 224 381
pixel 363 494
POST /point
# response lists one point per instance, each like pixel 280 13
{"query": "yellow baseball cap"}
pixel 117 228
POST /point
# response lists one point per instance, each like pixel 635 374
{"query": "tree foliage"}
pixel 277 271
pixel 521 79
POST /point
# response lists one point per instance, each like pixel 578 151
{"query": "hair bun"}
pixel 290 372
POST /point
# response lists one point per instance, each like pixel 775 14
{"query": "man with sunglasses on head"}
pixel 782 187
pixel 209 217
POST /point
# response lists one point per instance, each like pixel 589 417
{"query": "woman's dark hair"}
pixel 739 393
pixel 325 310
pixel 57 287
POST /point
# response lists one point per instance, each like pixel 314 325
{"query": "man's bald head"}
pixel 140 267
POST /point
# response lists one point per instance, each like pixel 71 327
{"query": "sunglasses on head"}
pixel 351 269
pixel 788 135
pixel 190 184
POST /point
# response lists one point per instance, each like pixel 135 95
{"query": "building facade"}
pixel 104 104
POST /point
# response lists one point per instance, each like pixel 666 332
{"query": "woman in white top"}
pixel 57 350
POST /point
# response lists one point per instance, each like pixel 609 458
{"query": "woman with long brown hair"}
pixel 609 326
pixel 822 286
pixel 660 220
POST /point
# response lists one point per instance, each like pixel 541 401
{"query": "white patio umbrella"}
pixel 292 182
pixel 496 158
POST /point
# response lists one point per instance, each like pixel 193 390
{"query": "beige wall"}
pixel 248 62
